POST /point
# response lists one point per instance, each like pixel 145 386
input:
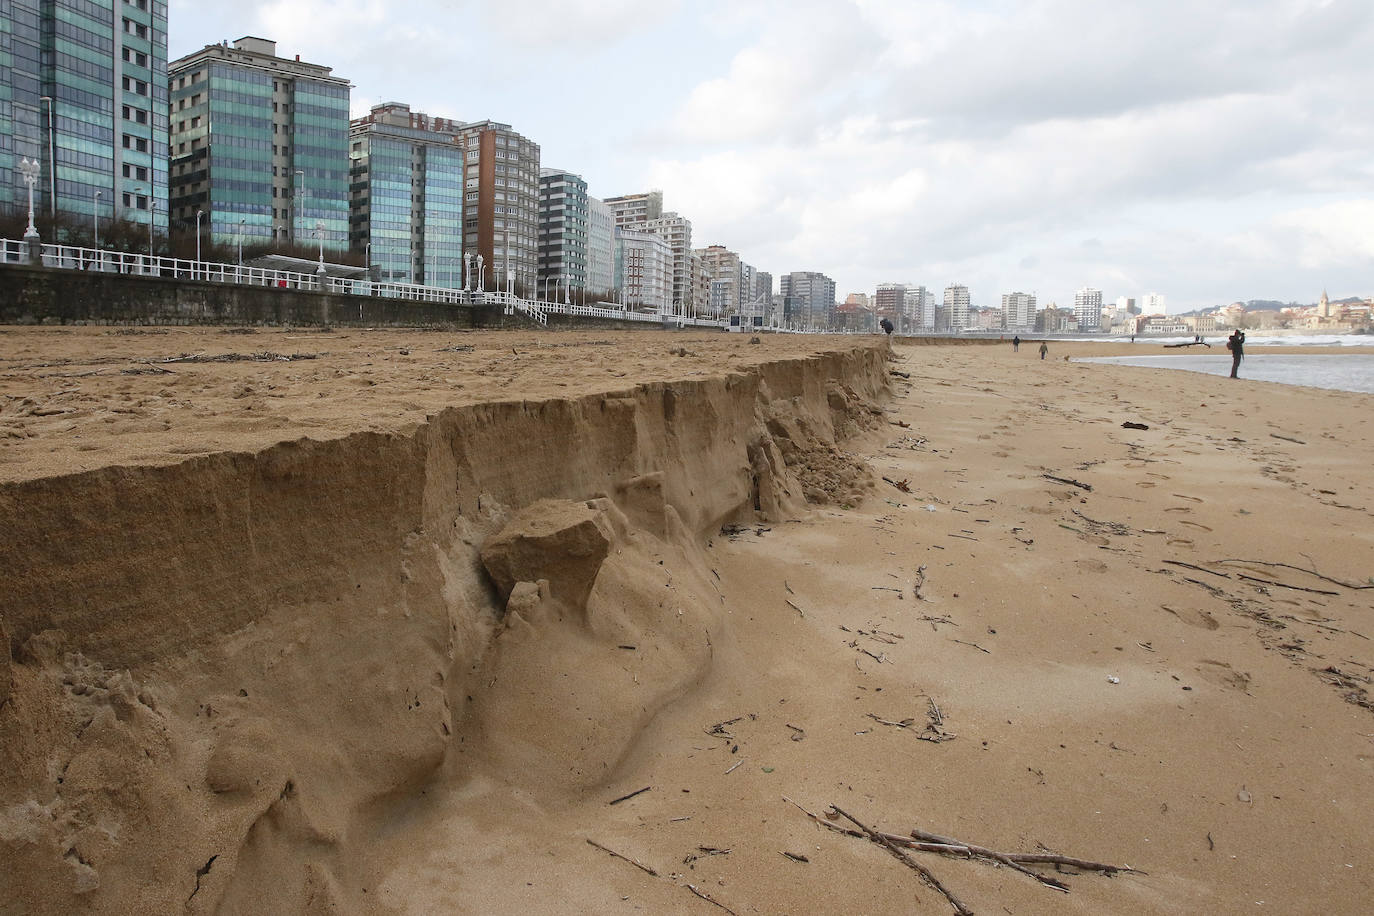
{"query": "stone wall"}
pixel 33 295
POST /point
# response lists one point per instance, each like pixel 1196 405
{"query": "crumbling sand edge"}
pixel 214 666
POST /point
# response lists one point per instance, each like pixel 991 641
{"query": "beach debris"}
pixel 798 734
pixel 902 423
pixel 1129 425
pixel 1068 480
pixel 936 620
pixel 1113 679
pixel 899 374
pixel 630 796
pixel 262 357
pixel 794 607
pixel 460 348
pixel 920 582
pixel 1309 572
pixel 796 857
pixel 624 858
pixel 1287 438
pixel 709 899
pixel 929 507
pixel 904 484
pixel 973 644
pixel 719 729
pixel 933 731
pixel 735 765
pixel 703 852
pixel 924 841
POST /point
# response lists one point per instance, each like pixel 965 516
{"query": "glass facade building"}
pixel 83 90
pixel 563 229
pixel 259 145
pixel 406 208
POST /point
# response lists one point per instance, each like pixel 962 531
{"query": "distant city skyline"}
pixel 1044 145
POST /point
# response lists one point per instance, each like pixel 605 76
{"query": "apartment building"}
pixel 83 92
pixel 259 144
pixel 636 208
pixel 1087 308
pixel 643 270
pixel 954 316
pixel 501 202
pixel 1018 310
pixel 810 298
pixel 564 217
pixel 600 247
pixel 406 196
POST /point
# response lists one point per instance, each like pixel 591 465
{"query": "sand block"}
pixel 558 540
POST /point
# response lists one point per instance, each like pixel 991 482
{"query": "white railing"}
pixel 71 257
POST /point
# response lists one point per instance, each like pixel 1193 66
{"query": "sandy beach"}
pixel 408 622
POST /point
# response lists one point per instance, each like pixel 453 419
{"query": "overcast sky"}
pixel 1209 150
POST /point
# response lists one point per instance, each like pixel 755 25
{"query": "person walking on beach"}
pixel 886 325
pixel 1044 348
pixel 1016 344
pixel 1236 344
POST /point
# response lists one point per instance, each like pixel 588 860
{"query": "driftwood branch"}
pixel 1071 482
pixel 1309 572
pixel 624 858
pixel 711 900
pixel 926 874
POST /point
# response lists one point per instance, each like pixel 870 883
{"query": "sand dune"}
pixel 366 633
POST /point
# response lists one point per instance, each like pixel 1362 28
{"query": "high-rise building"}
pixel 1153 304
pixel 636 208
pixel 83 91
pixel 563 235
pixel 643 269
pixel 501 202
pixel 1087 308
pixel 600 247
pixel 811 296
pixel 1018 310
pixel 260 144
pixel 406 206
pixel 701 285
pixel 722 267
pixel 676 230
pixel 763 286
pixel 890 304
pixel 918 317
pixel 956 308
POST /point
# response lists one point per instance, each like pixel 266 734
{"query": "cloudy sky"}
pixel 1209 150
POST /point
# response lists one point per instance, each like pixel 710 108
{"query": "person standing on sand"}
pixel 1236 344
pixel 1044 348
pixel 1016 344
pixel 886 325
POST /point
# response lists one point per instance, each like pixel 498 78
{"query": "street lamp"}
pixel 95 217
pixel 152 214
pixel 467 271
pixel 199 214
pixel 319 233
pixel 481 274
pixel 52 163
pixel 241 222
pixel 29 168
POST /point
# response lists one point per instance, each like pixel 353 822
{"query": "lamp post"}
pixel 152 214
pixel 467 271
pixel 52 162
pixel 481 274
pixel 199 214
pixel 241 223
pixel 29 168
pixel 95 217
pixel 319 233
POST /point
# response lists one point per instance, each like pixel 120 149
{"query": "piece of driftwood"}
pixel 630 796
pixel 624 858
pixel 709 899
pixel 1309 572
pixel 925 841
pixel 1129 425
pixel 1198 568
pixel 1070 481
pixel 926 874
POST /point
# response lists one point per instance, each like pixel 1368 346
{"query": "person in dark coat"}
pixel 886 325
pixel 1016 344
pixel 1236 344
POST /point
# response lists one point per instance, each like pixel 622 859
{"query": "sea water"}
pixel 1341 371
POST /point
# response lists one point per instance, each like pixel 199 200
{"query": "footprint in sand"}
pixel 1223 675
pixel 1194 525
pixel 1178 509
pixel 1096 566
pixel 1194 618
pixel 1001 455
pixel 1147 484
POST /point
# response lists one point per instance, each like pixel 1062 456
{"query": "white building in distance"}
pixel 1018 310
pixel 643 269
pixel 600 247
pixel 956 307
pixel 1087 308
